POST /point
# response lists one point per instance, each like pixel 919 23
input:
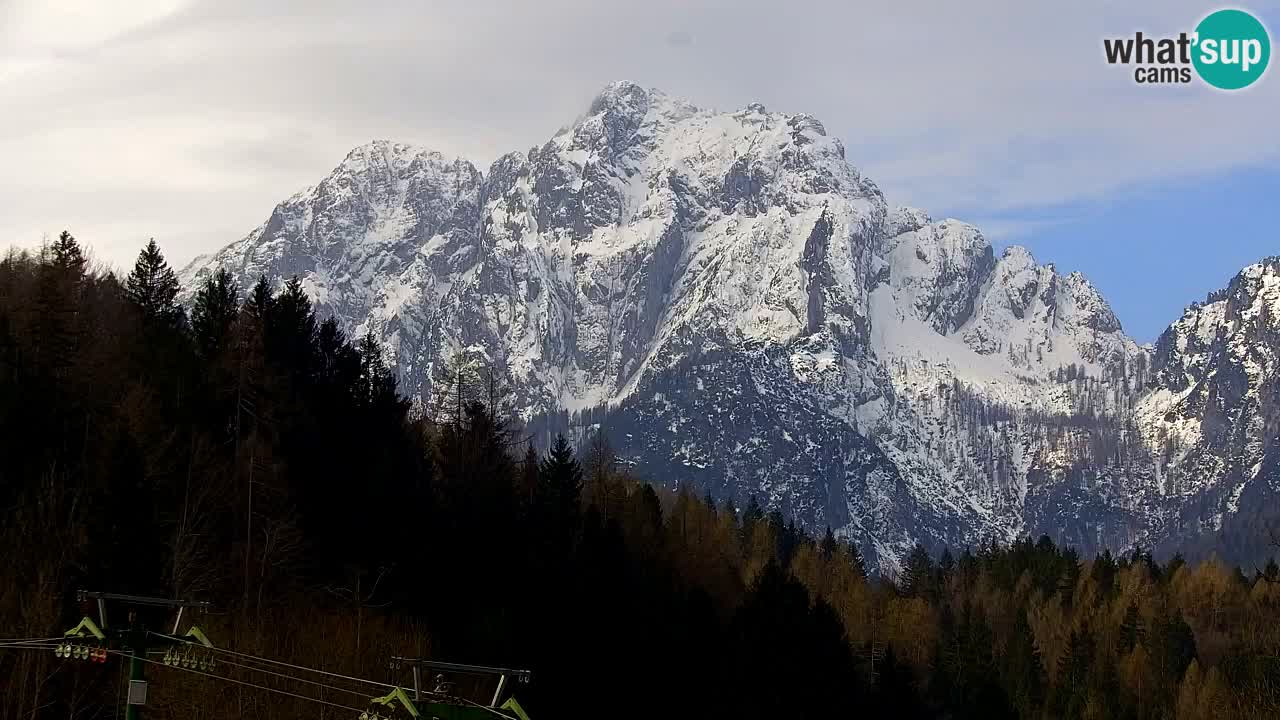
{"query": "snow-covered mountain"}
pixel 737 307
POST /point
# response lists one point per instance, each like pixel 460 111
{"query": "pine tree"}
pixel 214 312
pixel 152 287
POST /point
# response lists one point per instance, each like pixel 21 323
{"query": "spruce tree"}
pixel 376 385
pixel 949 655
pixel 1104 572
pixel 67 257
pixel 827 548
pixel 527 485
pixel 897 693
pixel 1131 630
pixel 61 279
pixel 291 329
pixel 1073 672
pixel 774 647
pixel 752 514
pixel 831 671
pixel 560 483
pixel 946 568
pixel 917 573
pixel 261 301
pixel 152 287
pixel 339 364
pixel 1070 575
pixel 214 312
pixel 1173 643
pixel 1025 674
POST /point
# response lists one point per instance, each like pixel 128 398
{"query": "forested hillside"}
pixel 247 453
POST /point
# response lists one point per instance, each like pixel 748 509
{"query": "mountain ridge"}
pixel 737 307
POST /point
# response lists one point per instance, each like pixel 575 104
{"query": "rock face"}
pixel 1213 417
pixel 737 307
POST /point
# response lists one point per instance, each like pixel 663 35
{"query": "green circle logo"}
pixel 1231 49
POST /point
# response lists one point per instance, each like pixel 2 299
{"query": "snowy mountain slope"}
pixel 737 307
pixel 978 352
pixel 1213 418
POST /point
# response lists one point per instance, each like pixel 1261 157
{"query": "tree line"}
pixel 243 451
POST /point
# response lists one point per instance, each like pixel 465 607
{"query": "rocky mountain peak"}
pixel 904 220
pixel 620 99
pixel 737 307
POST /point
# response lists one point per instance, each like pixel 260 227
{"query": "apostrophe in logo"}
pixel 1229 50
pixel 1232 49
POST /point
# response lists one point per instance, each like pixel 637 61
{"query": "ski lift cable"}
pixel 251 668
pixel 46 643
pixel 41 644
pixel 280 663
pixel 254 686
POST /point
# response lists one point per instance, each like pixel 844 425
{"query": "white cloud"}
pixel 67 25
pixel 188 121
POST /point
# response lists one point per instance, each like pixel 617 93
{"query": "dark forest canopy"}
pixel 248 453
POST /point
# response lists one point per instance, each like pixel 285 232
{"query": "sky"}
pixel 188 120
